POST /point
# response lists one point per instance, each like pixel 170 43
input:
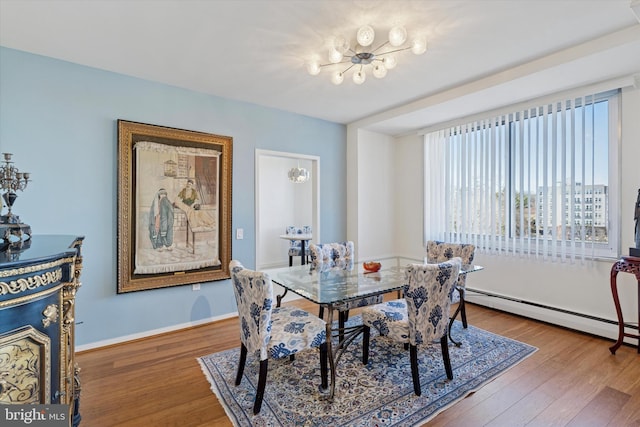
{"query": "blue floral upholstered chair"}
pixel 295 246
pixel 442 251
pixel 338 255
pixel 272 332
pixel 420 318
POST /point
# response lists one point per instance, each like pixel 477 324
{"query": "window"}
pixel 532 182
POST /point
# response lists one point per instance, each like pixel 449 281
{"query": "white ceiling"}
pixel 482 53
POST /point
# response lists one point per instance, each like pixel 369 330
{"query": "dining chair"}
pixel 442 251
pixel 420 317
pixel 272 332
pixel 338 255
pixel 295 246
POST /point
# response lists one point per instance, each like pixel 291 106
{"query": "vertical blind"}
pixel 532 182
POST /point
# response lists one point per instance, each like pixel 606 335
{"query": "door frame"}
pixel 261 186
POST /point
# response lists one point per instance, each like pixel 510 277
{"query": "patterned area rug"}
pixel 380 393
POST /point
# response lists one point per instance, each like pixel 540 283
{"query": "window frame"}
pixel 595 250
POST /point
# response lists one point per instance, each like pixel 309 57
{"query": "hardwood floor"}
pixel 572 380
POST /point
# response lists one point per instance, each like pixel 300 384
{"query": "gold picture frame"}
pixel 174 206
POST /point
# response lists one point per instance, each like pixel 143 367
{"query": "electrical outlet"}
pixel 196 286
pixel 239 234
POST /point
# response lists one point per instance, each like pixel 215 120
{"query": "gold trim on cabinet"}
pixel 29 283
pixel 50 314
pixel 34 268
pixel 27 298
pixel 25 366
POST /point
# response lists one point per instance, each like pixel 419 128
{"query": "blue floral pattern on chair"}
pixel 269 331
pixel 419 318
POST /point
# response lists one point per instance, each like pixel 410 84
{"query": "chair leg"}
pixel 341 321
pixel 262 382
pixel 323 365
pixel 243 360
pixel 366 333
pixel 463 311
pixel 445 356
pixel 415 374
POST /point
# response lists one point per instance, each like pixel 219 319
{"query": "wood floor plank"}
pixel 601 409
pixel 157 381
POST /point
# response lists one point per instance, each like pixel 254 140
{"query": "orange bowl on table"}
pixel 371 266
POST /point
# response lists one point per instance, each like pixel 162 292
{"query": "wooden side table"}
pixel 626 264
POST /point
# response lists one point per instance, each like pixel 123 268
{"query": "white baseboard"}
pixel 146 334
pixel 549 315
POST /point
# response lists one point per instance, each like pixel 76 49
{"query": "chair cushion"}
pixel 293 330
pixel 389 319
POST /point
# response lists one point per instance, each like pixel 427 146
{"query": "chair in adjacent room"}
pixel 270 332
pixel 295 246
pixel 420 317
pixel 338 255
pixel 442 251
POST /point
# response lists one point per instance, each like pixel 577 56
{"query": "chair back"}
pixel 427 296
pixel 296 244
pixel 254 297
pixel 332 255
pixel 442 251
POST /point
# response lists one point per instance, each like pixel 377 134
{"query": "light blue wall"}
pixel 59 121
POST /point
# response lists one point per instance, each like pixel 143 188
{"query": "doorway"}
pixel 281 203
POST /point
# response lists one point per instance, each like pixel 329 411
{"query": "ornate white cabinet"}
pixel 39 279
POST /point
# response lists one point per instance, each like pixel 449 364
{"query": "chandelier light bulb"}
pixel 397 36
pixel 337 78
pixel 359 77
pixel 419 45
pixel 334 56
pixel 365 35
pixel 379 71
pixel 389 62
pixel 313 67
pixel 341 44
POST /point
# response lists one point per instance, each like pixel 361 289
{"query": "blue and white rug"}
pixel 380 393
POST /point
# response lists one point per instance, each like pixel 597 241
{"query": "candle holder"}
pixel 12 180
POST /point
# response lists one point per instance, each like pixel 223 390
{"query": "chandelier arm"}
pixel 380 47
pixel 394 51
pixel 348 68
pixel 336 63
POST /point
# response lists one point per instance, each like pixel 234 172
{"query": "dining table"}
pixel 303 239
pixel 331 288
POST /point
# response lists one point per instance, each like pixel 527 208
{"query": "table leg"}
pixel 303 258
pixel 616 301
pixel 332 362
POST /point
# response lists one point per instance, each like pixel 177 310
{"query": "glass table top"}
pixel 335 285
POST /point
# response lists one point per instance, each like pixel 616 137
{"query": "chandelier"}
pixel 363 55
pixel 298 175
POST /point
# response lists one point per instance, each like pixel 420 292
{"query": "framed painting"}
pixel 174 206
